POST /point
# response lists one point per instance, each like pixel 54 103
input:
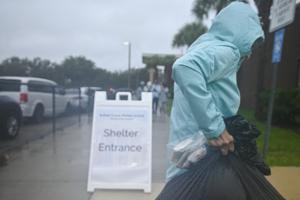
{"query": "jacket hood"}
pixel 238 24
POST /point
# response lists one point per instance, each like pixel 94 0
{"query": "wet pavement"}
pixel 159 136
pixel 56 166
pixel 51 168
pixel 32 131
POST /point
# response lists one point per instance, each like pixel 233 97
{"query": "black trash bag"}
pixel 245 135
pixel 232 177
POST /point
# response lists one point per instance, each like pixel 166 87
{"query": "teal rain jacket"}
pixel 205 88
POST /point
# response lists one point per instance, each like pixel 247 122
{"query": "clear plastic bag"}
pixel 237 176
pixel 189 151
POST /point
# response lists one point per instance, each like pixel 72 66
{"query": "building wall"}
pixel 251 78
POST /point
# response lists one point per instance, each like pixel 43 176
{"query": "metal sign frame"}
pixel 102 102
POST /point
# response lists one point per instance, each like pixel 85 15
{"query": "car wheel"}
pixel 38 114
pixel 12 126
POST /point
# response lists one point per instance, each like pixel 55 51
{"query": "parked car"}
pixel 83 99
pixel 77 99
pixel 34 95
pixel 10 117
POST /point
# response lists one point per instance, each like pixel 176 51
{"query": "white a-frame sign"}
pixel 121 143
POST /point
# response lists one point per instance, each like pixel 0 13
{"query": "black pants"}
pixel 155 104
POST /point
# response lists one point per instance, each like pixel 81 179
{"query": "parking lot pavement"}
pixel 51 168
pixel 56 167
pixel 31 131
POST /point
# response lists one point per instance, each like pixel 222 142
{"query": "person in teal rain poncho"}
pixel 205 88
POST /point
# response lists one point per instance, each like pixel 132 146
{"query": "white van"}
pixel 34 95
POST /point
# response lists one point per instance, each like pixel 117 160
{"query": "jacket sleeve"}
pixel 192 73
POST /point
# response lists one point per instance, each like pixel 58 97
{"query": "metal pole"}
pixel 90 106
pixel 129 63
pixel 53 111
pixel 270 111
pixel 79 105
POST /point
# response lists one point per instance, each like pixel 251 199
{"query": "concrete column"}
pixel 151 74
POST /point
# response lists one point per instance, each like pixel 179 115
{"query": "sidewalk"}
pixel 56 168
pixel 287 181
pixel 160 138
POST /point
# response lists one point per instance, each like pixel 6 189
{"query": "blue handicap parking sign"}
pixel 277 48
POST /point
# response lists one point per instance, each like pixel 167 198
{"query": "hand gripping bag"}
pixel 237 176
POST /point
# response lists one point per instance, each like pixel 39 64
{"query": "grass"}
pixel 284 145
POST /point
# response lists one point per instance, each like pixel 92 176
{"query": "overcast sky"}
pixel 55 29
pixel 96 29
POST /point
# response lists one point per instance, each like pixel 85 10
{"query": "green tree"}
pixel 75 71
pixel 188 34
pixel 42 68
pixel 37 67
pixel 118 79
pixel 72 72
pixel 15 66
pixel 201 8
